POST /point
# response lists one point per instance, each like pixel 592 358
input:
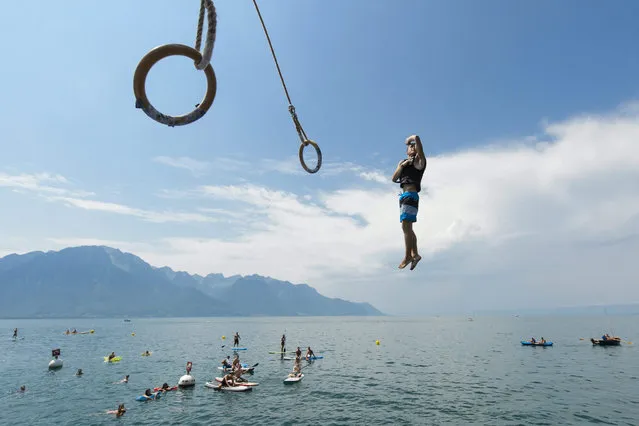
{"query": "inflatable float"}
pixel 116 359
pixel 155 395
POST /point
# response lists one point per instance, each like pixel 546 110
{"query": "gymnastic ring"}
pixel 319 156
pixel 139 82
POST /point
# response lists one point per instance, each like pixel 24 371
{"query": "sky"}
pixel 528 112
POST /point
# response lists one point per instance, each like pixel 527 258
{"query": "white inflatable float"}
pixel 55 363
pixel 187 380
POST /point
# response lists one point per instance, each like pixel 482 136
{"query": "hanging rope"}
pixel 210 34
pixel 202 61
pixel 300 130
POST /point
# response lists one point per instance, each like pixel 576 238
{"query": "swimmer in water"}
pixel 79 372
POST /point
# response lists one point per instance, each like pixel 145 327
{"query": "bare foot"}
pixel 415 261
pixel 404 263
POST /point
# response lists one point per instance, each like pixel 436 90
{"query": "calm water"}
pixel 425 371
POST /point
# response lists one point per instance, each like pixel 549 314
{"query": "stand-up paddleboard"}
pixel 290 380
pixel 156 395
pixel 228 388
pixel 239 349
pixel 219 380
pixel 244 369
pixel 116 359
pixel 313 358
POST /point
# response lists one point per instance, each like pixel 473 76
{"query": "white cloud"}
pixel 40 183
pixel 547 220
pixel 194 166
pixel 148 215
pixel 509 225
pixel 200 168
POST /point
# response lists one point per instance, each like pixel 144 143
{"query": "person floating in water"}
pixel 236 339
pixel 23 388
pixel 79 372
pixel 119 412
pixel 226 362
pixel 409 175
pixel 125 380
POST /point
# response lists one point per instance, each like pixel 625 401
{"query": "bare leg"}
pixel 415 255
pixel 407 228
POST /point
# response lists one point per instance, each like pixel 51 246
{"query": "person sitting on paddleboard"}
pixel 147 353
pixel 74 331
pixel 298 352
pixel 226 362
pixel 236 339
pixel 309 354
pixel 532 340
pixel 228 381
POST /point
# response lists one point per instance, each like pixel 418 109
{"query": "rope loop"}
pixel 211 17
pixel 303 145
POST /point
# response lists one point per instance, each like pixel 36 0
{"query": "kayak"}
pixel 155 395
pixel 169 389
pixel 219 380
pixel 290 380
pixel 527 343
pixel 228 388
pixel 116 359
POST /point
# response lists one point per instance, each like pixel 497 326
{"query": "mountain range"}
pixel 99 281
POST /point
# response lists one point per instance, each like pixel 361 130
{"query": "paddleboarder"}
pixel 236 339
pixel 15 333
pixel 283 343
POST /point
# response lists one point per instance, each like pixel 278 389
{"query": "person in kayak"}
pixel 236 339
pixel 409 175
pixel 309 354
pixel 111 356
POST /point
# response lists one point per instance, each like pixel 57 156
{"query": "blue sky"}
pixel 485 84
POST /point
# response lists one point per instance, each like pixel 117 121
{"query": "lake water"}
pixel 425 371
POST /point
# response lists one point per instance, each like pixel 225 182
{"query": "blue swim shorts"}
pixel 408 206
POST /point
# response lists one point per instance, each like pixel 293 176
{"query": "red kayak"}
pixel 169 389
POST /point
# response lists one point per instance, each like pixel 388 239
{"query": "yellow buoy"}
pixel 377 342
pixel 132 334
pixel 92 331
pixel 223 337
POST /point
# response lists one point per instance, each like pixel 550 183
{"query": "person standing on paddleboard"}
pixel 409 175
pixel 15 333
pixel 283 343
pixel 236 339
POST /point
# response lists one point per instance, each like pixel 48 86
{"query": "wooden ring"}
pixel 139 83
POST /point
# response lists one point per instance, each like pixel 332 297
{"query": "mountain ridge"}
pixel 101 281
